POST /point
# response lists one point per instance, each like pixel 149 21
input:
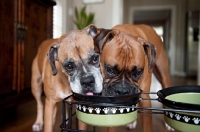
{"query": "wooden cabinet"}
pixel 38 21
pixel 24 24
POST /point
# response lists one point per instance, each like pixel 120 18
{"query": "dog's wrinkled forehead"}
pixel 126 50
pixel 76 45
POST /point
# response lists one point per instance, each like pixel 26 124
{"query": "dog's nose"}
pixel 122 90
pixel 88 83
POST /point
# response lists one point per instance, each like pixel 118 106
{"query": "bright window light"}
pixel 159 31
pixel 57 19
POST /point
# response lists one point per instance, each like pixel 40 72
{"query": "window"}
pixel 159 31
pixel 59 19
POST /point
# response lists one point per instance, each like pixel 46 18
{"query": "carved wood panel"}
pixel 38 20
pixel 24 25
pixel 6 45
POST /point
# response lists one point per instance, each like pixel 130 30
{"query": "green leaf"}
pixel 82 19
pixel 83 11
pixel 76 13
pixel 90 18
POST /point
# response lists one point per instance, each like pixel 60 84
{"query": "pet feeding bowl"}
pixel 107 110
pixel 181 98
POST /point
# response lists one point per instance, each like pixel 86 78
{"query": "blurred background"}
pixel 25 24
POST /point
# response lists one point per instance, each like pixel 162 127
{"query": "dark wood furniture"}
pixel 24 24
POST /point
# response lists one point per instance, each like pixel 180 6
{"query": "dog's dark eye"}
pixel 94 59
pixel 136 73
pixel 69 66
pixel 111 71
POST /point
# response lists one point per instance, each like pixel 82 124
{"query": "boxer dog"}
pixel 129 56
pixel 63 65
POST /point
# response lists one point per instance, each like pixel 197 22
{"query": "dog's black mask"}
pixel 119 88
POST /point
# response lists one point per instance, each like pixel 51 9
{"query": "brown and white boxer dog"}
pixel 63 65
pixel 129 56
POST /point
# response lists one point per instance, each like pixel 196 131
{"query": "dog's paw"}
pixel 169 128
pixel 131 125
pixel 37 127
pixel 66 122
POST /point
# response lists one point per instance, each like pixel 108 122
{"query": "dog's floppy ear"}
pixel 150 50
pixel 52 57
pixel 92 30
pixel 98 35
pixel 102 37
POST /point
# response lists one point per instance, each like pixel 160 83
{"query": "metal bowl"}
pixel 107 110
pixel 181 98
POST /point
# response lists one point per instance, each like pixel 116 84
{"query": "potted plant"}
pixel 82 19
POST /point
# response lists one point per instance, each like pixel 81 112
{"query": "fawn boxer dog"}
pixel 129 56
pixel 63 65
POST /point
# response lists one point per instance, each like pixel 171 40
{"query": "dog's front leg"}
pixel 146 119
pixel 82 125
pixel 111 129
pixel 49 115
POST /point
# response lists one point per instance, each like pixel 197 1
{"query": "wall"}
pixel 198 70
pixel 107 14
pixel 176 51
pixel 192 45
pixel 193 5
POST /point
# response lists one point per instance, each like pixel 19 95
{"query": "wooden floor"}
pixel 24 117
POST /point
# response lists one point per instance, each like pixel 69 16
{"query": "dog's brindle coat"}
pixel 129 56
pixel 63 65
